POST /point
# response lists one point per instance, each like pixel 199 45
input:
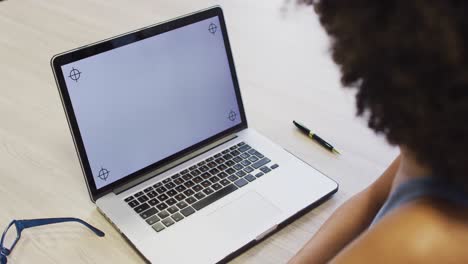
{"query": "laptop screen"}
pixel 142 102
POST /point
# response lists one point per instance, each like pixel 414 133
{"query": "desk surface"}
pixel 285 73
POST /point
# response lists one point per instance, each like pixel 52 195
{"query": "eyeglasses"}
pixel 8 241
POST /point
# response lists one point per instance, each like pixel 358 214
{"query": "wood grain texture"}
pixel 285 73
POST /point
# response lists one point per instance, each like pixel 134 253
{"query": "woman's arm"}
pixel 348 221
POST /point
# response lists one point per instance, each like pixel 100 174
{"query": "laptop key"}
pixel 158 227
pixel 240 182
pixel 189 184
pixel 216 186
pixel 175 176
pixel 222 175
pixel 197 188
pixel 189 192
pixel 171 201
pixel 163 214
pixel 201 163
pixel 260 174
pixel 141 208
pixel 187 177
pixel 143 198
pixel 148 213
pixel 244 155
pixel 260 155
pixel 162 197
pixel 195 172
pixel 209 159
pixel 206 183
pixel 214 171
pixel 214 197
pixel 166 180
pixel 161 206
pixel 184 172
pixel 224 182
pixel 197 179
pixel 222 167
pixel 238 166
pixel 159 184
pixel 206 175
pixel 190 200
pixel 217 155
pixel 241 144
pixel 214 179
pixel 253 159
pixel 237 159
pixel 251 151
pixel 138 194
pixel 244 148
pixel 225 151
pixel 172 209
pixel 152 194
pixel 208 191
pixel 204 168
pixel 260 163
pixel 230 171
pixel 233 147
pixel 240 173
pixel 180 197
pixel 192 167
pixel 212 164
pixel 187 211
pixel 180 188
pixel 153 202
pixel 178 181
pixel 182 204
pixel 233 178
pixel 177 217
pixel 229 163
pixel 133 203
pixel 170 185
pixel 148 189
pixel 274 166
pixel 161 189
pixel 220 161
pixel 250 177
pixel 152 220
pixel 246 162
pixel 235 153
pixel 227 157
pixel 128 199
pixel 171 193
pixel 168 222
pixel 200 195
pixel 265 169
pixel 248 169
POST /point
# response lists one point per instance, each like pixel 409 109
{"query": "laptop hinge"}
pixel 173 164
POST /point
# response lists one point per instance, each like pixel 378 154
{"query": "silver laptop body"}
pixel 160 130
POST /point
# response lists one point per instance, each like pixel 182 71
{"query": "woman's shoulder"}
pixel 425 230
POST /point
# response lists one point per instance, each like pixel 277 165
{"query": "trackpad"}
pixel 243 217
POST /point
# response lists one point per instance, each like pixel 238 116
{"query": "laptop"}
pixel 158 123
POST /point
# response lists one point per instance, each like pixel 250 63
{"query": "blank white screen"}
pixel 140 103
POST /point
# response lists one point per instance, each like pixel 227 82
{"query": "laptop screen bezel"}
pixel 125 39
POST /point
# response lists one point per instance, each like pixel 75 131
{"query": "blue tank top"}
pixel 436 187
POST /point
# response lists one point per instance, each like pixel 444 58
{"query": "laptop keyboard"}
pixel 177 197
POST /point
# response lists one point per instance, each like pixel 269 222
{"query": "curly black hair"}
pixel 408 61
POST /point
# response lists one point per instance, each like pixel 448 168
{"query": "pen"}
pixel 315 137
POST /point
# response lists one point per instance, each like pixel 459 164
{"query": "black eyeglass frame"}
pixel 20 225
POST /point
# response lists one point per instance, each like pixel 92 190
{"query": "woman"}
pixel 408 61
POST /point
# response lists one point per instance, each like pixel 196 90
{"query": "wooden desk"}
pixel 285 73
